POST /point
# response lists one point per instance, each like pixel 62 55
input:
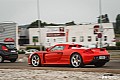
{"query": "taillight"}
pixel 4 48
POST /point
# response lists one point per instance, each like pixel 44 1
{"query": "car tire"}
pixel 1 59
pixel 35 60
pixel 76 60
pixel 13 60
pixel 99 64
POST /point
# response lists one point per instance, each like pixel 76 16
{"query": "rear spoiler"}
pixel 101 49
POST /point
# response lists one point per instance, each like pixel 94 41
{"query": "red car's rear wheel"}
pixel 76 60
pixel 35 60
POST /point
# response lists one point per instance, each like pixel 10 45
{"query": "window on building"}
pixel 35 38
pixel 73 39
pixel 105 38
pixel 48 40
pixel 96 38
pixel 54 40
pixel 81 39
pixel 89 38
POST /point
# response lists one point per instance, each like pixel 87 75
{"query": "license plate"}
pixel 13 51
pixel 101 57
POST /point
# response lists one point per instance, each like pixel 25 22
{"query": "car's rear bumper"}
pixel 10 56
pixel 97 60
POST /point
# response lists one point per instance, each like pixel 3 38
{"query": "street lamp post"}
pixel 39 24
pixel 101 27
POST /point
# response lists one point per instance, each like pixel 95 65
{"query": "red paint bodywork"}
pixel 63 56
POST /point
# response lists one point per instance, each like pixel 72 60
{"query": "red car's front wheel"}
pixel 35 60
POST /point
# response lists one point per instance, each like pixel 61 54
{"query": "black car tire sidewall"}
pixel 2 59
pixel 13 60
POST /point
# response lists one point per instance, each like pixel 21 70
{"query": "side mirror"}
pixel 47 49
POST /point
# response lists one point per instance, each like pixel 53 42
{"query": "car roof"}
pixel 5 43
pixel 67 44
pixel 32 49
pixel 2 44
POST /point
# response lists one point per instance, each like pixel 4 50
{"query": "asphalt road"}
pixel 112 66
pixel 22 61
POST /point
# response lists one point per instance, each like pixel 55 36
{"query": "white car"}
pixel 30 51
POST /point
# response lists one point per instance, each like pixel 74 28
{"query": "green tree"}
pixel 70 23
pixel 118 21
pixel 117 28
pixel 42 24
pixel 35 24
pixel 104 19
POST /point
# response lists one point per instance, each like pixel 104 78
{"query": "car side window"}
pixel 71 46
pixel 57 48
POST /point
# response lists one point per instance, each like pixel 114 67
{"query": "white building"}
pixel 55 35
pixel 82 34
pixel 9 33
pixel 34 35
pixel 87 34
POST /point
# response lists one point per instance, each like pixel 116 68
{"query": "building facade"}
pixel 23 35
pixel 37 36
pixel 88 34
pixel 81 34
pixel 9 33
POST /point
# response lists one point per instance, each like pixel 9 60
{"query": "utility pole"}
pixel 101 27
pixel 39 24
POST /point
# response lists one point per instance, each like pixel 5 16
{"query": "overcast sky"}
pixel 57 11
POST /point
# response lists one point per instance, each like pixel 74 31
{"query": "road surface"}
pixel 112 66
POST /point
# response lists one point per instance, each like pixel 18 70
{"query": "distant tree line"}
pixel 101 19
pixel 105 19
pixel 117 28
pixel 43 24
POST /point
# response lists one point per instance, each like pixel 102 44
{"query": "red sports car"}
pixel 70 54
